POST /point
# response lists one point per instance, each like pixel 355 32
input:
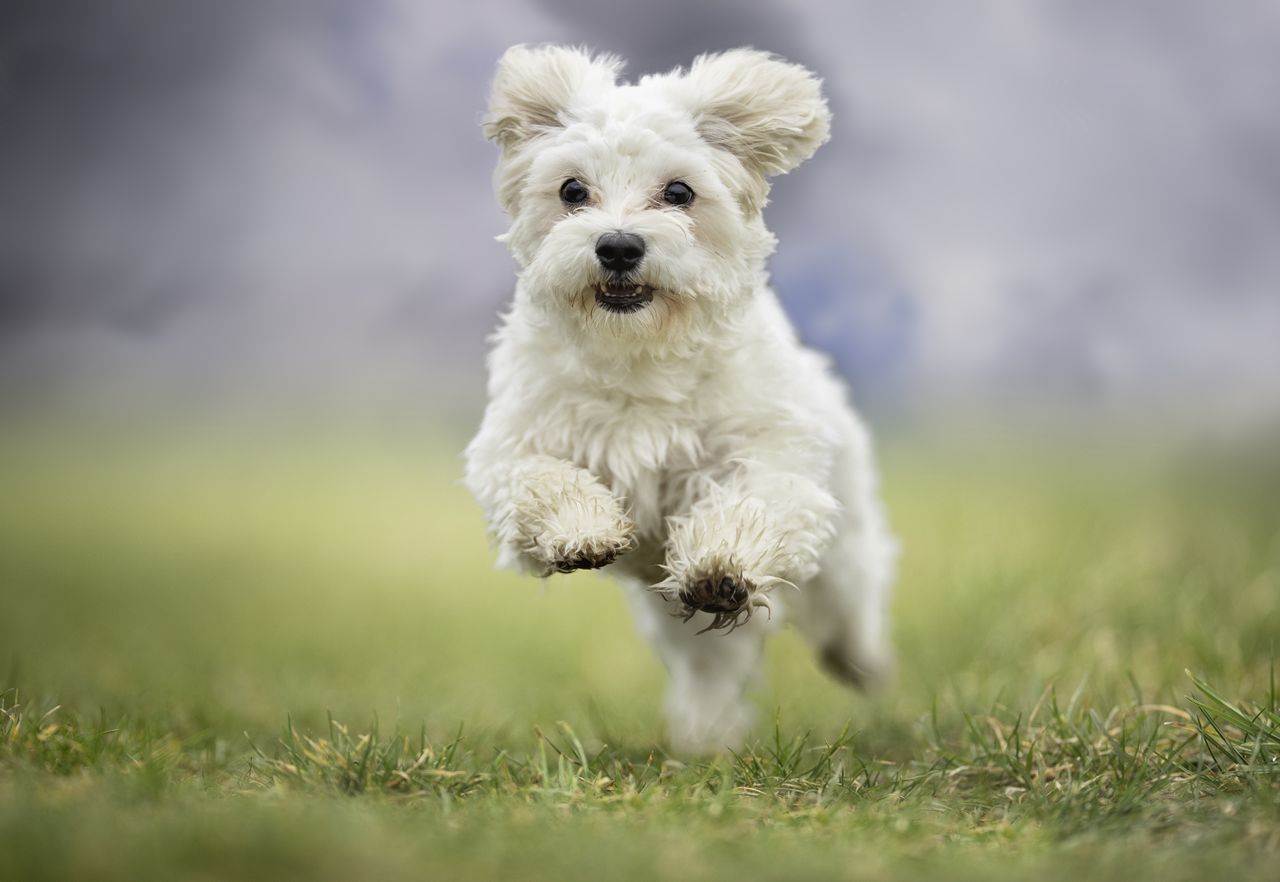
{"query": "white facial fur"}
pixel 722 128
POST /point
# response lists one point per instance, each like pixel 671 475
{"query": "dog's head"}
pixel 636 207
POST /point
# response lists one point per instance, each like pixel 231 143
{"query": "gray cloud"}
pixel 659 37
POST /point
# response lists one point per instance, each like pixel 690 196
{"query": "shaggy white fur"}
pixel 662 417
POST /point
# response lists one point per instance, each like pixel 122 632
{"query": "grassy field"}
pixel 285 654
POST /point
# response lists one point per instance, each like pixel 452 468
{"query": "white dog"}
pixel 650 406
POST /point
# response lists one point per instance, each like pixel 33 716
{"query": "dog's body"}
pixel 650 406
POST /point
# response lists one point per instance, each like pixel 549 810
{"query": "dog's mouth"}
pixel 623 296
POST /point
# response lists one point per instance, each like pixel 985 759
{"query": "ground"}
pixel 284 653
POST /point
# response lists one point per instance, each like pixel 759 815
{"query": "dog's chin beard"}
pixel 622 297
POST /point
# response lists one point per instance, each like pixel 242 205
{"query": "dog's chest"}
pixel 646 452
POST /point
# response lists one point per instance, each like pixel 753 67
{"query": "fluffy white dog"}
pixel 650 406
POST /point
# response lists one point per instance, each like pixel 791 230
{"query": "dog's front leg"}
pixel 743 536
pixel 549 515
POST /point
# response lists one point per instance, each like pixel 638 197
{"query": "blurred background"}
pixel 247 268
pixel 1024 210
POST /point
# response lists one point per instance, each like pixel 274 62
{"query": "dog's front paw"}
pixel 566 520
pixel 591 537
pixel 722 590
pixel 587 552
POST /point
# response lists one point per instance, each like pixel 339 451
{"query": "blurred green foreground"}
pixel 283 654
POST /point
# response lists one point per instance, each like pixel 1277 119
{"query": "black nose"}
pixel 619 251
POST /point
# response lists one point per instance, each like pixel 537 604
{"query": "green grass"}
pixel 285 654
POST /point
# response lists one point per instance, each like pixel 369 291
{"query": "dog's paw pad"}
pixel 714 595
pixel 725 596
pixel 590 553
pixel 585 561
pixel 855 666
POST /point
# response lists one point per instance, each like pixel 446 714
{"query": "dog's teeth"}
pixel 637 290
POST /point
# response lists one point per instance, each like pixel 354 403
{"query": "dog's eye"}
pixel 677 193
pixel 574 192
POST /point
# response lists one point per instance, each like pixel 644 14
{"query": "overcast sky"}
pixel 1050 204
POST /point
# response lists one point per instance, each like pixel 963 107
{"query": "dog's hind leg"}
pixel 706 705
pixel 843 610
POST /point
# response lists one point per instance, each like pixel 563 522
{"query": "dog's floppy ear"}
pixel 535 86
pixel 768 112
